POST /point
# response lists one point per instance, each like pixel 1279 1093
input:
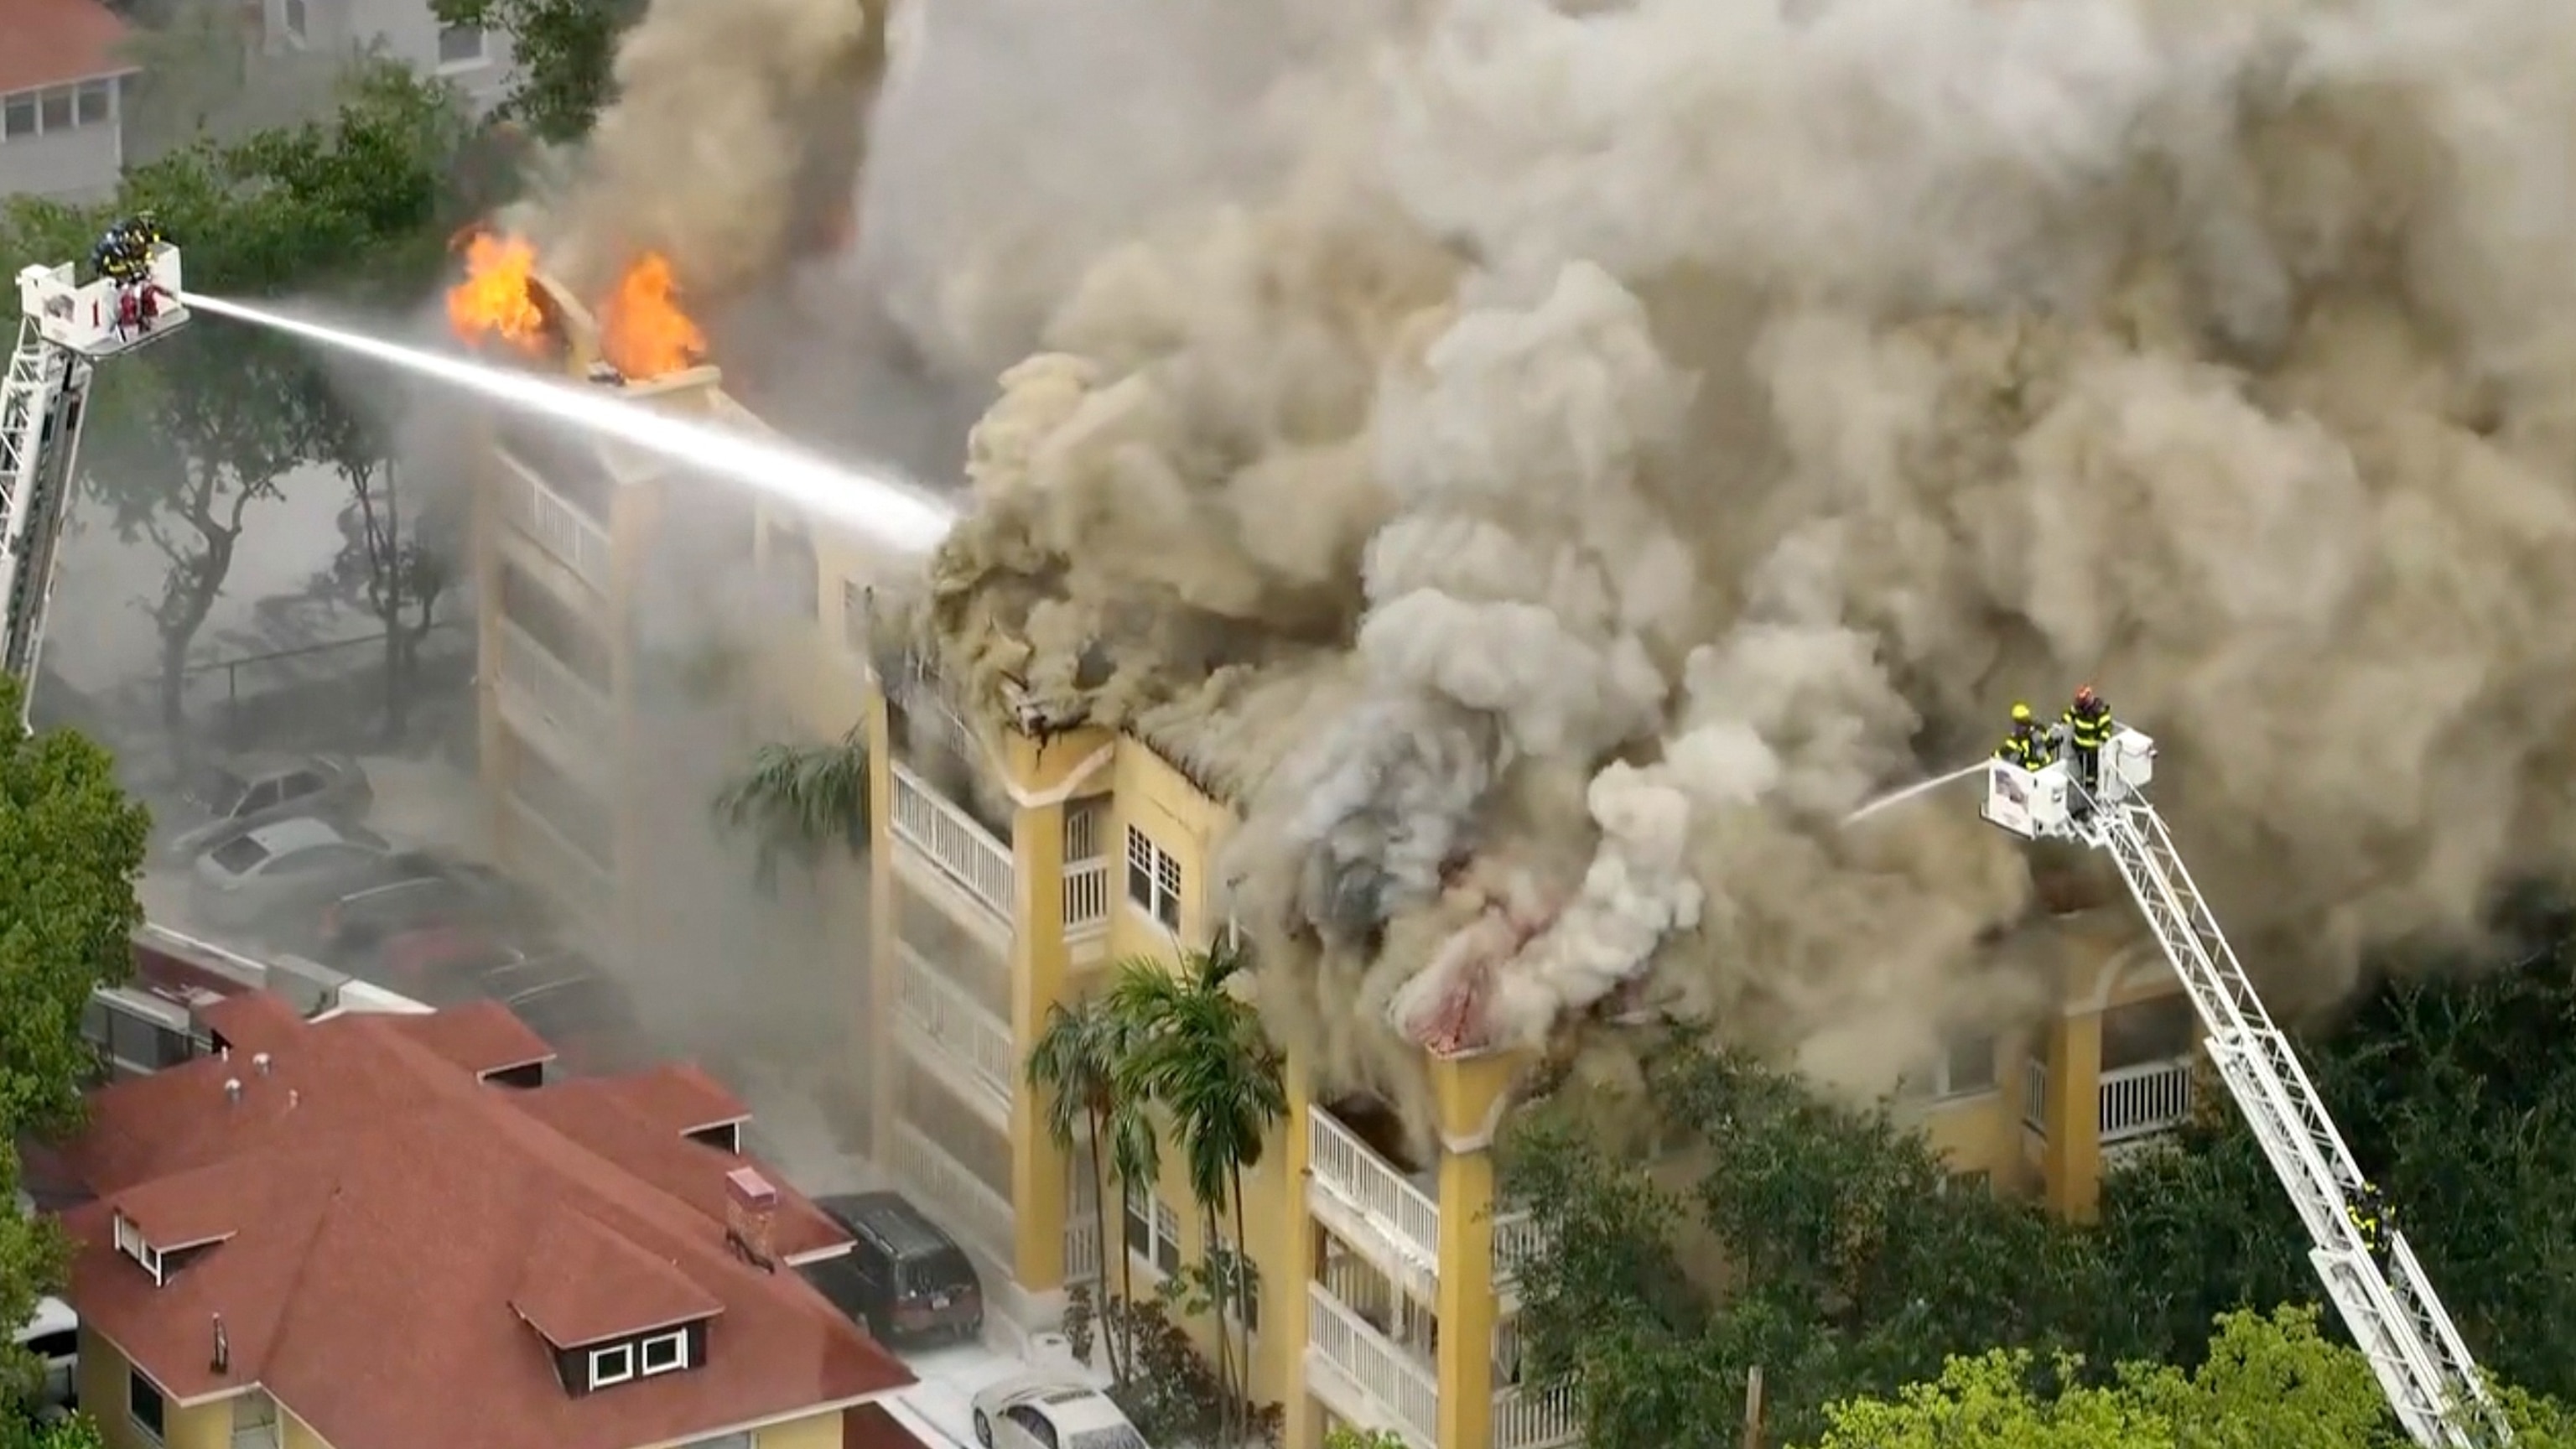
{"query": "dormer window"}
pixel 130 1242
pixel 639 1358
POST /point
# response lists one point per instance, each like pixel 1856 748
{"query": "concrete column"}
pixel 1287 1263
pixel 1473 1092
pixel 2072 1164
pixel 875 1037
pixel 1040 1192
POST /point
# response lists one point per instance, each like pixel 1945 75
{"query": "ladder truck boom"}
pixel 65 326
pixel 2384 1298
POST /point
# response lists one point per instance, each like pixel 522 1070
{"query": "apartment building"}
pixel 62 81
pixel 477 61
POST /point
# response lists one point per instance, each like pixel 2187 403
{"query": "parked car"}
pixel 425 889
pixel 563 996
pixel 267 881
pixel 53 1336
pixel 227 801
pixel 1050 1411
pixel 905 1279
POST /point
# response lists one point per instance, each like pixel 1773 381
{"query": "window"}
pixel 299 785
pixel 723 1441
pixel 614 1364
pixel 1968 1065
pixel 2148 1032
pixel 321 858
pixel 460 45
pixel 664 1352
pixel 1039 1426
pixel 793 577
pixel 143 1404
pixel 18 116
pixel 1153 1230
pixel 295 19
pixel 57 108
pixel 262 796
pixel 854 617
pixel 97 102
pixel 1153 879
pixel 240 855
pixel 1083 820
pixel 1248 1310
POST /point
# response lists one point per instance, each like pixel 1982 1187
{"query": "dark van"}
pixel 906 1279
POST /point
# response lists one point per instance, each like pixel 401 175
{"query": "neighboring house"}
pixel 380 1232
pixel 62 78
pixel 477 60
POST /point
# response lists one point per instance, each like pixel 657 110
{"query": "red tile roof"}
pixel 53 41
pixel 367 1180
pixel 481 1037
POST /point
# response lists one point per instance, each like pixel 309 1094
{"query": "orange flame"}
pixel 494 298
pixel 642 331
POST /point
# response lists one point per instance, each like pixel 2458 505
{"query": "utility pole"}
pixel 1753 1407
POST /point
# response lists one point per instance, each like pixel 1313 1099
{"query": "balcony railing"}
pixel 562 703
pixel 1539 1420
pixel 1369 1188
pixel 548 517
pixel 953 841
pixel 941 1010
pixel 2034 1095
pixel 1081 1248
pixel 983 1213
pixel 1516 1238
pixel 2148 1098
pixel 1399 1386
pixel 1086 898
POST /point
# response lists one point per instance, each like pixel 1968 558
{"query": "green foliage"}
pixel 1173 1396
pixel 71 847
pixel 801 798
pixel 1073 1066
pixel 2265 1382
pixel 565 51
pixel 1854 1265
pixel 1346 1437
pixel 2458 1096
pixel 78 1431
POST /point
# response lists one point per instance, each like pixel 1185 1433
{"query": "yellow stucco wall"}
pixel 103 1393
pixel 815 1431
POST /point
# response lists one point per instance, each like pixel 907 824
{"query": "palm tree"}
pixel 801 797
pixel 1197 1051
pixel 1073 1067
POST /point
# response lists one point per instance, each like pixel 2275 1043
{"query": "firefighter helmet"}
pixel 2085 698
pixel 2021 714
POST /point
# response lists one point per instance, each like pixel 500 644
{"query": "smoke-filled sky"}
pixel 1551 463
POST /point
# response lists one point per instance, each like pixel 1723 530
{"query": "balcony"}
pixel 560 868
pixel 1086 899
pixel 2143 1100
pixel 1081 1248
pixel 1366 1200
pixel 558 527
pixel 1541 1419
pixel 1516 1240
pixel 1363 1376
pixel 2034 1095
pixel 550 704
pixel 954 1193
pixel 973 1046
pixel 952 841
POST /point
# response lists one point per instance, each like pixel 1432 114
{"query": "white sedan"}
pixel 1050 1411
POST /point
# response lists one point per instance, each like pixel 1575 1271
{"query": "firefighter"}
pixel 2370 1220
pixel 2088 729
pixel 2027 744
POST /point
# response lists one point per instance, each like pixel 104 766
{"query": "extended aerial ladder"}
pixel 65 326
pixel 2390 1308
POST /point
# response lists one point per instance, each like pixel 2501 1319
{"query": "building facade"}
pixel 62 99
pixel 1003 874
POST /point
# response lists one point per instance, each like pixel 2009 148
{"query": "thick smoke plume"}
pixel 1549 464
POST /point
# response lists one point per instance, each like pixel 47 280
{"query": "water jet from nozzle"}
pixel 889 509
pixel 1914 791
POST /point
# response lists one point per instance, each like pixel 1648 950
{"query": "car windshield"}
pixel 219 791
pixel 239 855
pixel 946 1271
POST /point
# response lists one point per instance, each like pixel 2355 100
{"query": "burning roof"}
pixel 641 329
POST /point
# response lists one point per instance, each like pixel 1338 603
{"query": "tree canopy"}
pixel 71 846
pixel 565 50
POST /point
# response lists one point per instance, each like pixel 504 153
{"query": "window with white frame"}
pixel 461 45
pixel 1247 1308
pixel 1153 879
pixel 129 1241
pixel 145 1406
pixel 614 1364
pixel 296 19
pixel 1153 1230
pixel 1084 823
pixel 1965 1066
pixel 664 1353
pixel 55 109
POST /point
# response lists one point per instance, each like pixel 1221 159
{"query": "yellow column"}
pixel 1287 1265
pixel 2073 1161
pixel 1039 1189
pixel 1472 1092
pixel 876 1029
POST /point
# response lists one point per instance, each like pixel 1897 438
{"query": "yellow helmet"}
pixel 2021 714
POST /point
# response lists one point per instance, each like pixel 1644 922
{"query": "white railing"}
pixel 1344 1166
pixel 561 867
pixel 1086 897
pixel 1081 1248
pixel 2148 1098
pixel 2034 1095
pixel 546 516
pixel 1402 1386
pixel 984 1213
pixel 942 1011
pixel 1542 1420
pixel 1516 1238
pixel 566 704
pixel 953 841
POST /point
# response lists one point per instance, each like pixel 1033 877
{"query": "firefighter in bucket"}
pixel 124 257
